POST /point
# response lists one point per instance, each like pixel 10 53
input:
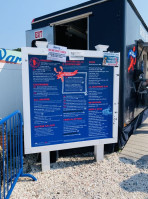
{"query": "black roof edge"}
pixel 35 20
pixel 137 13
pixel 85 4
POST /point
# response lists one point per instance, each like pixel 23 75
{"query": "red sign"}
pixel 39 34
pixel 62 74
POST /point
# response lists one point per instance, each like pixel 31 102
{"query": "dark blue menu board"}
pixel 70 102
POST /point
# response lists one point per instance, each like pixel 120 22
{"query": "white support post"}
pixel 99 152
pixel 45 160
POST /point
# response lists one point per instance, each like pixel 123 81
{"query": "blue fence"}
pixel 11 154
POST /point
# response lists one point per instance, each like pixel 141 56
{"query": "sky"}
pixel 16 17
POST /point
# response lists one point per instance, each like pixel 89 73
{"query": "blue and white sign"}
pixel 68 105
pixel 111 59
pixel 74 107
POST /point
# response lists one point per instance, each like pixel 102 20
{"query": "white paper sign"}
pixel 76 55
pixel 56 53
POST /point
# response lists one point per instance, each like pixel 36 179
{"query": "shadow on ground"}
pixel 138 182
pixel 65 164
pixel 32 163
pixel 142 163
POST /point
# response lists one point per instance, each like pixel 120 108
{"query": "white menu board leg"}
pixel 45 160
pixel 99 152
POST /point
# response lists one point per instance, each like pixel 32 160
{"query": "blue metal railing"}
pixel 11 154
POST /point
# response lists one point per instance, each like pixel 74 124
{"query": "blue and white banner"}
pixel 10 56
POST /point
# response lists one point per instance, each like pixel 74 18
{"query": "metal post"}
pixel 45 158
pixel 99 152
pixel 21 142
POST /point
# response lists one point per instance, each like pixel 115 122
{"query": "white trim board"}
pixel 71 19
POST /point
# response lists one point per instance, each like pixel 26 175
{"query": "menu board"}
pixel 71 101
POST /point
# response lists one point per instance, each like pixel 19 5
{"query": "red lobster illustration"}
pixel 62 74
